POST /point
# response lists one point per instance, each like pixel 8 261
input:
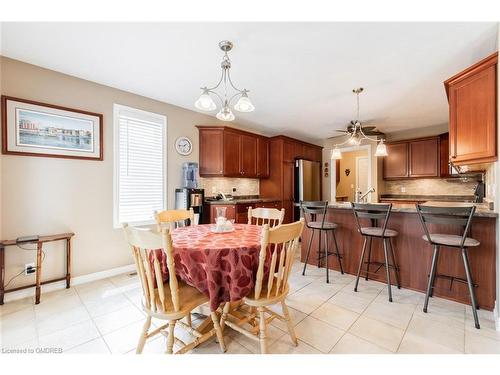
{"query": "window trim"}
pixel 117 108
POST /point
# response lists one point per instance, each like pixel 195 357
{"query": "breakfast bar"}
pixel 414 255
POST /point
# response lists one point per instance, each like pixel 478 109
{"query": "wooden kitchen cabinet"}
pixel 231 152
pixel 424 157
pixel 472 110
pixel 262 157
pixel 414 158
pixel 230 212
pixel 395 164
pixel 282 154
pixel 211 152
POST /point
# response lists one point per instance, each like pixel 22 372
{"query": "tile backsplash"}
pixel 429 186
pixel 244 186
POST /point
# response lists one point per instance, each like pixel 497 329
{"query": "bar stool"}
pixel 454 216
pixel 310 211
pixel 376 212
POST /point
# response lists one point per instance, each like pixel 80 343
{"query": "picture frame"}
pixel 31 128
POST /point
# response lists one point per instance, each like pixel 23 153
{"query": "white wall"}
pixel 49 195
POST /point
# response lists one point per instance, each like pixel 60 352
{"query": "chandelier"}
pixel 206 102
pixel 357 134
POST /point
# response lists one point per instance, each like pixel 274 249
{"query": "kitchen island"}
pixel 414 254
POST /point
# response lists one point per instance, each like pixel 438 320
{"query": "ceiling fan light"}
pixel 205 102
pixel 225 114
pixel 244 104
pixel 336 154
pixel 381 149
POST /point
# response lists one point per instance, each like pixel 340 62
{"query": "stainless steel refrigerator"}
pixel 307 183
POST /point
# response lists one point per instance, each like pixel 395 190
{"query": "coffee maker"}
pixel 189 196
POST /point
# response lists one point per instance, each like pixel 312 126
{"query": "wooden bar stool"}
pixel 376 212
pixel 310 211
pixel 454 216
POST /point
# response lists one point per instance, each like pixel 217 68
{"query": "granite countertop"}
pixel 241 200
pixel 426 198
pixel 481 210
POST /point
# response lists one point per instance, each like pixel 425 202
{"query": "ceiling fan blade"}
pixel 342 131
pixel 368 128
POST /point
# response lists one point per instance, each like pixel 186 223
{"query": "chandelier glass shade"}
pixel 206 100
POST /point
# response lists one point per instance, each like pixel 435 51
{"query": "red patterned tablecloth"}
pixel 220 265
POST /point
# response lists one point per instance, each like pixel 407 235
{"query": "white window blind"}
pixel 140 165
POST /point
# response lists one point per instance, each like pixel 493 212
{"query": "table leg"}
pixel 2 273
pixel 38 272
pixel 68 263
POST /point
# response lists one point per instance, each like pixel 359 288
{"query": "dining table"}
pixel 220 265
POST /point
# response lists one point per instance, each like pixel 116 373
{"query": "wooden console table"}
pixel 38 275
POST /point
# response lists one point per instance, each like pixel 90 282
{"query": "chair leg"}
pixel 171 337
pixel 471 287
pixel 431 277
pixel 308 252
pixel 289 323
pixel 144 334
pixel 360 265
pixel 218 331
pixel 394 264
pixel 369 258
pixel 225 311
pixel 262 331
pixel 387 270
pixel 434 277
pixel 338 252
pixel 319 250
pixel 326 256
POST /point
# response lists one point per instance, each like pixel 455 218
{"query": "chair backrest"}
pixel 372 211
pixel 146 248
pixel 311 209
pixel 173 218
pixel 277 252
pixel 262 216
pixel 455 216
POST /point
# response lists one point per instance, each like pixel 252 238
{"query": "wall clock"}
pixel 183 146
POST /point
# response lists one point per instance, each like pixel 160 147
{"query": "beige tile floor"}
pixel 105 317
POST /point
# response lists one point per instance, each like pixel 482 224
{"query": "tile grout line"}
pixel 406 329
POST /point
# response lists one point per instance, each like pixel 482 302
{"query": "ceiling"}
pixel 300 75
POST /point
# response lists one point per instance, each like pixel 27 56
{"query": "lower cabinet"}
pixel 237 212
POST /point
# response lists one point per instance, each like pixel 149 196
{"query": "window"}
pixel 140 165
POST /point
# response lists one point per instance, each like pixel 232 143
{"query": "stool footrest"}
pixel 380 265
pixel 452 279
pixel 322 255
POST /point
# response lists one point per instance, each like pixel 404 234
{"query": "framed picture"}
pixel 31 128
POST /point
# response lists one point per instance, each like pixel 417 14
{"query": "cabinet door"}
pixel 248 155
pixel 288 186
pixel 288 151
pixel 276 205
pixel 262 157
pixel 424 158
pixel 231 154
pixel 211 152
pixel 473 117
pixel 396 162
pixel 288 206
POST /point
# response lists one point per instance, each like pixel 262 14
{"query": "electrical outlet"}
pixel 29 268
pixel 234 190
pixel 403 189
pixel 214 189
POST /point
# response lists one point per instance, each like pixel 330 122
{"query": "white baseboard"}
pixel 30 292
pixel 497 318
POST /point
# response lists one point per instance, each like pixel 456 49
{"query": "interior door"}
pixel 361 175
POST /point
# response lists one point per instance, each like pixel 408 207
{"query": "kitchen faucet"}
pixel 362 197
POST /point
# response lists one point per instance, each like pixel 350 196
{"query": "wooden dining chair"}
pixel 262 216
pixel 277 253
pixel 173 218
pixel 171 300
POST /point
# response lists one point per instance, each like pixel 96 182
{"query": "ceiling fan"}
pixel 355 126
pixel 358 133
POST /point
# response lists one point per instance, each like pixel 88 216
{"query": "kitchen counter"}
pixel 413 254
pixel 241 201
pixel 481 208
pixel 426 198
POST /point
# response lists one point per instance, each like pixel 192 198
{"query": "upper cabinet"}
pixel 413 158
pixel 232 153
pixel 472 103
